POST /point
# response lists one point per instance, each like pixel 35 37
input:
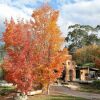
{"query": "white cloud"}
pixel 63 24
pixel 81 12
pixel 8 10
pixel 17 8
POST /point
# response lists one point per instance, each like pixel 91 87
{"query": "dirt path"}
pixel 67 91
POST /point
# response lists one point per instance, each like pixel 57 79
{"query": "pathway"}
pixel 67 91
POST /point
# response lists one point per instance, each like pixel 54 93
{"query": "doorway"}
pixel 70 75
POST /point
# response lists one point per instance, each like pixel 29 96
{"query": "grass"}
pixel 45 97
pixel 55 97
pixel 89 88
pixel 5 89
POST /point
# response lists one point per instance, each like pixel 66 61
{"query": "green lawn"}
pixel 89 88
pixel 6 90
pixel 55 97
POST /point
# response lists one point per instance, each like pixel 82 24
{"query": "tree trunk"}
pixel 21 96
pixel 48 89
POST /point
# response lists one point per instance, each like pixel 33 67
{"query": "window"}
pixel 68 63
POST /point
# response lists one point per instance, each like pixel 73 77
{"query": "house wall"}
pixel 83 74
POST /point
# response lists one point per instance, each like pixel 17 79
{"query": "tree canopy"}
pixel 88 55
pixel 33 50
pixel 82 35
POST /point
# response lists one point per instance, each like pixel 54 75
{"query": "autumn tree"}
pixel 51 56
pixel 88 54
pixel 33 50
pixel 17 63
pixel 97 62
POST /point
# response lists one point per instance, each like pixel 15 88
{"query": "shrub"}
pixel 96 84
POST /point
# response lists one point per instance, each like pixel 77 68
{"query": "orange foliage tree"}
pixel 46 19
pixel 33 50
pixel 88 54
pixel 97 62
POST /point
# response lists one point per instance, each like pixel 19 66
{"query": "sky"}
pixel 71 11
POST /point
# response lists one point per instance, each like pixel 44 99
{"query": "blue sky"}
pixel 71 11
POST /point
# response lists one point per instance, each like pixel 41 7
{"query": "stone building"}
pixel 70 70
pixel 70 67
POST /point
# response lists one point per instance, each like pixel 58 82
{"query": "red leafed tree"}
pixel 33 50
pixel 17 63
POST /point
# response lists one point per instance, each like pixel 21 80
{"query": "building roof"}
pixel 87 65
pixel 90 68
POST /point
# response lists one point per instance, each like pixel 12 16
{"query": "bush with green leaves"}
pixel 96 84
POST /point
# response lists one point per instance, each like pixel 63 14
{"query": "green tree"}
pixel 82 35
